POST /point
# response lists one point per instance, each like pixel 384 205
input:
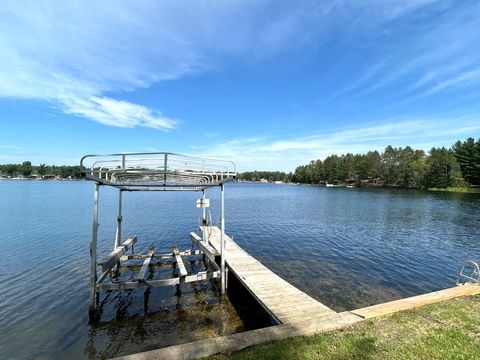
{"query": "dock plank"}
pixel 283 301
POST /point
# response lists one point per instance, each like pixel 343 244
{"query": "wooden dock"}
pixel 283 301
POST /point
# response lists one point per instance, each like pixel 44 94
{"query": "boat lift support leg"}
pixel 204 233
pixel 222 240
pixel 93 254
pixel 204 210
pixel 118 234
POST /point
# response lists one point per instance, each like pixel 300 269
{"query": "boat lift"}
pixel 154 171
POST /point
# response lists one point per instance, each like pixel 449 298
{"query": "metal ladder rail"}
pixel 469 273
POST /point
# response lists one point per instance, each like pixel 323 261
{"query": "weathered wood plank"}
pixel 181 266
pixel 205 247
pixel 112 258
pixel 202 275
pixel 143 271
pixel 160 256
pixel 416 301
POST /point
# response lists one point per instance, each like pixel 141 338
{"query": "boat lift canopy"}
pixel 154 171
pixel 157 171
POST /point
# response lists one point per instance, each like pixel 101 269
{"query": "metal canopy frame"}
pixel 157 171
pixel 153 171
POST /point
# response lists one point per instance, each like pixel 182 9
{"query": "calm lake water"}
pixel 346 247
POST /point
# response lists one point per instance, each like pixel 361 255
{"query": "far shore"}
pixel 465 190
pixel 457 190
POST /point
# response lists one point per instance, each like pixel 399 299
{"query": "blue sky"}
pixel 268 84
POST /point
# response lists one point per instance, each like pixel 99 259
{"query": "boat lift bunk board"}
pixel 153 171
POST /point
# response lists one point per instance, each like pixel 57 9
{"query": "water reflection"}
pixel 168 316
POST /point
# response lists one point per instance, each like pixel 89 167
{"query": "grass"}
pixel 445 330
pixel 457 189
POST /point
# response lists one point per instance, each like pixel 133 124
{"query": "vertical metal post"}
pixel 118 234
pixel 204 209
pixel 204 224
pixel 204 214
pixel 93 253
pixel 165 165
pixel 222 239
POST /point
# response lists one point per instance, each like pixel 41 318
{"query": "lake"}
pixel 348 248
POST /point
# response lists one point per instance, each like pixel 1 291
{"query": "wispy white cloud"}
pixel 264 153
pixel 463 78
pixel 210 134
pixel 112 112
pixel 441 53
pixel 10 147
pixel 84 56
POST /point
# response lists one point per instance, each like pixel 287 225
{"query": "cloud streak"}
pixel 86 57
pixel 263 153
pixel 10 147
pixel 441 54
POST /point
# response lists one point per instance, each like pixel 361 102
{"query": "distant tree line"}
pixel 26 169
pixel 267 175
pixel 458 166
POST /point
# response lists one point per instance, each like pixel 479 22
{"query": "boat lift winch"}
pixel 154 171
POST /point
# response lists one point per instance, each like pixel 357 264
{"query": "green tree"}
pixel 42 169
pixel 443 169
pixel 467 154
pixel 333 169
pixel 26 168
pixel 390 165
pixel 418 175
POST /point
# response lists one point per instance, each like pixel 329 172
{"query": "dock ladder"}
pixel 469 273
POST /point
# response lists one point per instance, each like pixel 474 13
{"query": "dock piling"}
pixel 93 252
pixel 222 238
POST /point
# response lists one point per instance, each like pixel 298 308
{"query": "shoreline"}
pixel 261 343
pixel 459 190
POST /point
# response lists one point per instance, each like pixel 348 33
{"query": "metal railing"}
pixel 154 170
pixel 469 273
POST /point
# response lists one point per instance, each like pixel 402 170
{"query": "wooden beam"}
pixel 202 275
pixel 416 301
pixel 181 267
pixel 111 259
pixel 160 256
pixel 146 263
pixel 102 277
pixel 206 248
